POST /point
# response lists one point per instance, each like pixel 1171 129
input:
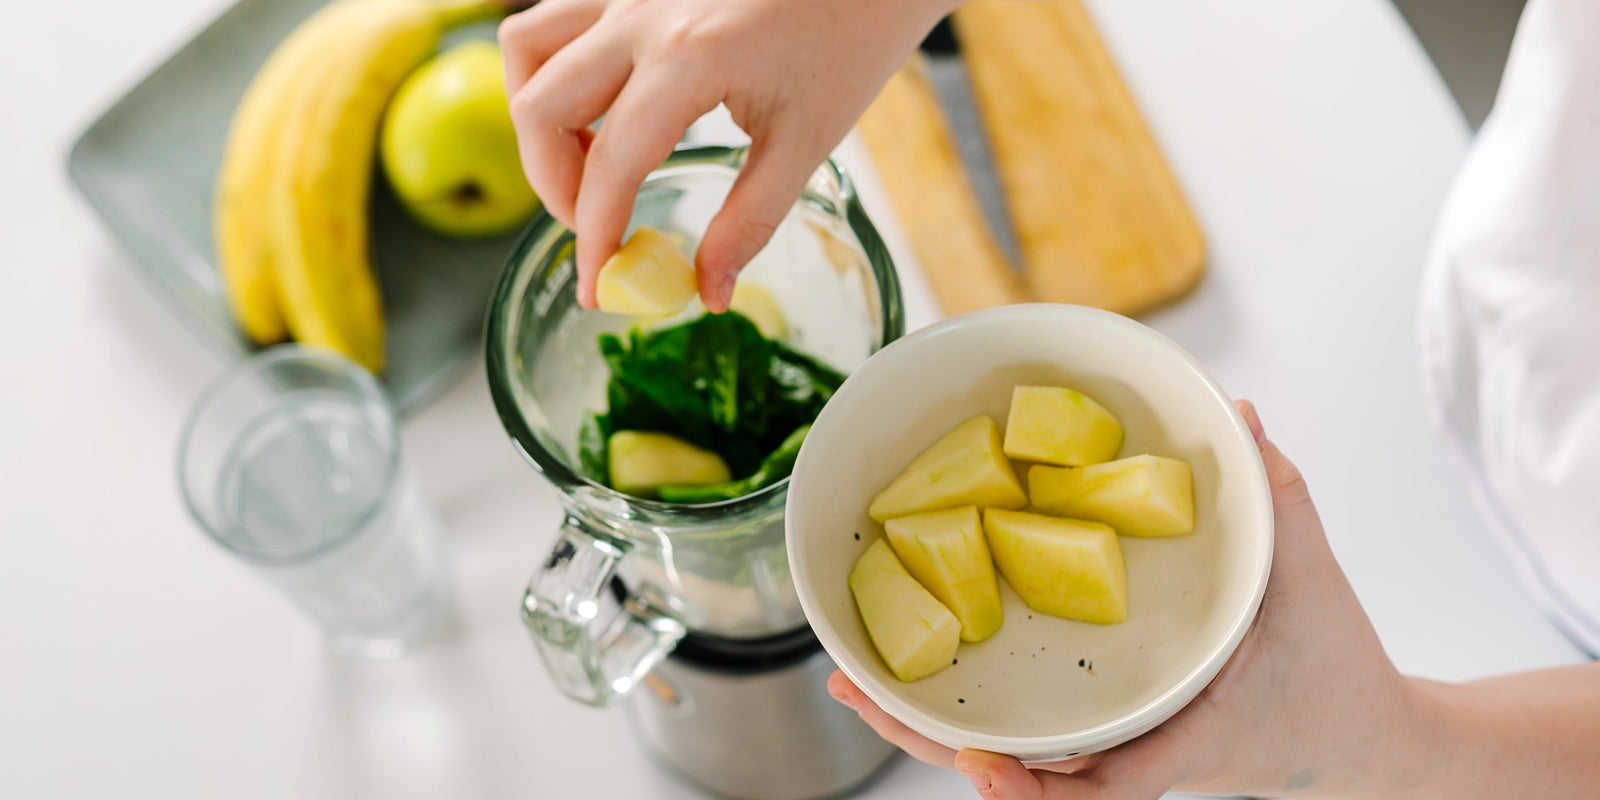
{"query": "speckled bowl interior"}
pixel 1041 688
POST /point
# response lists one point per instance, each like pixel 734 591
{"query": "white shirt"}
pixel 1510 319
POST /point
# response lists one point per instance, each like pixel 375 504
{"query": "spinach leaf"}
pixel 726 353
pixel 594 448
pixel 825 378
pixel 654 378
pixel 718 383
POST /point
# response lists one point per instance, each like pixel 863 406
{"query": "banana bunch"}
pixel 290 210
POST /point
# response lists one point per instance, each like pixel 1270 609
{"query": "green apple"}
pixel 945 552
pixel 1054 425
pixel 1139 496
pixel 1062 567
pixel 641 463
pixel 964 468
pixel 449 149
pixel 915 634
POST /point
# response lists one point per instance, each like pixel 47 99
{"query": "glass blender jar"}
pixel 693 602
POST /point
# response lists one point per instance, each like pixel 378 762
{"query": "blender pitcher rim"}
pixel 499 319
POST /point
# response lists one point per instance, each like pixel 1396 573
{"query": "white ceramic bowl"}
pixel 1022 692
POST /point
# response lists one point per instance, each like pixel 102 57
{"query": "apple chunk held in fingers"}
pixel 1061 567
pixel 964 468
pixel 912 631
pixel 648 275
pixel 1143 495
pixel 945 551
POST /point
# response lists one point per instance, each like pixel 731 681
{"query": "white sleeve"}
pixel 1510 318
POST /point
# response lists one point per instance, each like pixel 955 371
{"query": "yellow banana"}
pixel 292 194
pixel 318 207
pixel 249 162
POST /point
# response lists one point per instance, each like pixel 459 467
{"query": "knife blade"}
pixel 953 88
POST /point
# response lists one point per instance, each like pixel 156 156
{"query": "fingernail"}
pixel 980 781
pixel 725 291
pixel 1253 421
pixel 585 295
pixel 844 700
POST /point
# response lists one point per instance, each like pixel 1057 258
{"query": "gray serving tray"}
pixel 147 167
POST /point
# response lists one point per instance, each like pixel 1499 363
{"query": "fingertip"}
pixel 970 760
pixel 709 272
pixel 590 261
pixel 841 689
pixel 599 238
pixel 716 291
pixel 729 243
pixel 1252 420
pixel 998 776
pixel 1288 484
pixel 756 205
pixel 586 289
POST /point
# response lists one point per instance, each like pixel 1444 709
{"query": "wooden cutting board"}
pixel 1097 214
pixel 916 156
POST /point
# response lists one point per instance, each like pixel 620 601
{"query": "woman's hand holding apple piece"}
pixel 1311 707
pixel 794 73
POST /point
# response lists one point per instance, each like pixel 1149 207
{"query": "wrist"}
pixel 1422 745
pixel 1393 752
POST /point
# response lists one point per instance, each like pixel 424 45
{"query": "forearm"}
pixel 1531 735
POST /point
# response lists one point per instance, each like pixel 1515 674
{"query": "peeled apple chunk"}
pixel 912 631
pixel 1139 496
pixel 946 553
pixel 647 275
pixel 760 307
pixel 641 463
pixel 965 468
pixel 1062 567
pixel 1053 425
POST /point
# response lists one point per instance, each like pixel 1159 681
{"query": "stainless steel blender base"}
pixel 765 735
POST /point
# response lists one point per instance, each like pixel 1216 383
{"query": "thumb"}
pixel 772 178
pixel 1289 492
pixel 1303 555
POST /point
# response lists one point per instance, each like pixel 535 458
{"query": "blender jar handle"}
pixel 594 656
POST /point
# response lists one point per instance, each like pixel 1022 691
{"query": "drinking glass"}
pixel 291 462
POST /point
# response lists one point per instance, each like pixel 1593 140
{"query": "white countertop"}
pixel 137 660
